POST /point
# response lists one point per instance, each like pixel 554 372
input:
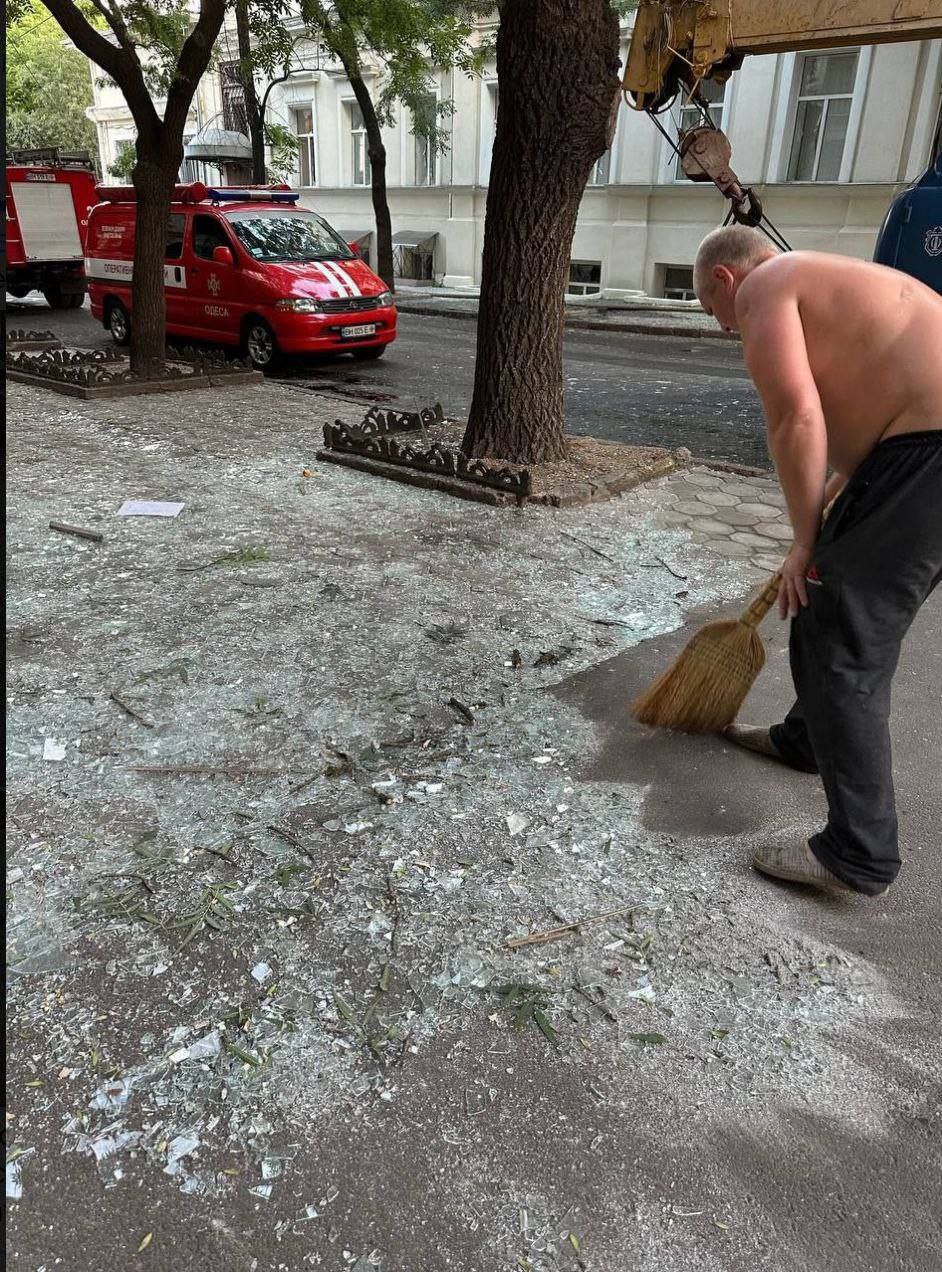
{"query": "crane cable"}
pixel 769 229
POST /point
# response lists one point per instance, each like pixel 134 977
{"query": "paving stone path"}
pixel 738 517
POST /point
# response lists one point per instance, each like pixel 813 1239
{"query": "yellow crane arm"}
pixel 684 41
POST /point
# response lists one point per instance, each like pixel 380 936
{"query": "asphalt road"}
pixel 642 389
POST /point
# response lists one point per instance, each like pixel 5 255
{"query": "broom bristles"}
pixel 704 689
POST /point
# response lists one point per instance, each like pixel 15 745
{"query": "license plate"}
pixel 367 329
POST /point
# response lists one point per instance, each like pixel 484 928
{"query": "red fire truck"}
pixel 48 198
pixel 246 268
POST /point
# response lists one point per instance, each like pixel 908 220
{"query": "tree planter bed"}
pixel 594 470
pixel 105 373
pixel 20 341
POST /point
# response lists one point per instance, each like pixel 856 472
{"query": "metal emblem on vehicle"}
pixel 934 241
pixel 213 282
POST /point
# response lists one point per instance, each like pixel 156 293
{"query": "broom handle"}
pixel 763 602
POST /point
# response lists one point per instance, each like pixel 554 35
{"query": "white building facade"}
pixel 827 139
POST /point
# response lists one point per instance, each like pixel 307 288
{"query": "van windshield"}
pixel 274 235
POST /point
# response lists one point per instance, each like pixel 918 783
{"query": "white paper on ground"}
pixel 149 508
pixel 53 750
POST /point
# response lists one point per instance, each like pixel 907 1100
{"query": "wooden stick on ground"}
pixel 148 724
pixel 553 934
pixel 77 530
pixel 291 838
pixel 229 770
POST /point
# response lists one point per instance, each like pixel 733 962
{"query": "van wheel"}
pixel 260 344
pixel 368 355
pixel 118 323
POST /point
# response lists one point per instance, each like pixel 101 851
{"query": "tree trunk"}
pixel 374 136
pixel 154 180
pixel 253 114
pixel 557 76
pixel 159 151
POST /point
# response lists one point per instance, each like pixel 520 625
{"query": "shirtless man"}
pixel 847 358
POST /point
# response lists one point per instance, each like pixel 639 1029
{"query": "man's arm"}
pixel 777 357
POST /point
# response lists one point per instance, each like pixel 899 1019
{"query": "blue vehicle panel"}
pixel 911 236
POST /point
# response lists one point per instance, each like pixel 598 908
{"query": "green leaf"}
pixel 347 1012
pixel 544 1026
pixel 648 1039
pixel 245 1056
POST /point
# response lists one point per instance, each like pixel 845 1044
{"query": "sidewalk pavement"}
pixel 288 770
pixel 644 316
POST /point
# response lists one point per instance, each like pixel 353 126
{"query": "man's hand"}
pixel 793 593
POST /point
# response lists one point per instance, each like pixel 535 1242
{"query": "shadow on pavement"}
pixel 857 1197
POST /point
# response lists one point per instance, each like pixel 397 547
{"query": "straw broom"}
pixel 704 689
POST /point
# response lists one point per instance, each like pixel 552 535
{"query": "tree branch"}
pixel 287 71
pixel 117 61
pixel 117 24
pixel 194 58
pixel 85 38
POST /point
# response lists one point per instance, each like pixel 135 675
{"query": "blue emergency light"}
pixel 252 195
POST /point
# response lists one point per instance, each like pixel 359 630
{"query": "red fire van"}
pixel 245 268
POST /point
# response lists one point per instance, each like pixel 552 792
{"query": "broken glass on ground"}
pixel 386 916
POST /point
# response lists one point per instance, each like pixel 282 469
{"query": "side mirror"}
pixel 354 248
pixel 223 256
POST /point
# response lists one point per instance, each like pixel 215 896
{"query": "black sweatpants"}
pixel 878 557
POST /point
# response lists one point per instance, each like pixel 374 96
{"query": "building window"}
pixel 304 131
pixel 600 169
pixel 190 169
pixel 425 119
pixel 360 150
pixel 234 114
pixel 825 96
pixel 691 116
pixel 414 263
pixel 678 283
pixel 585 278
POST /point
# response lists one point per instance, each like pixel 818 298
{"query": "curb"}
pixel 737 470
pixel 134 388
pixel 584 324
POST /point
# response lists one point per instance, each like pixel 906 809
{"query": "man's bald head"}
pixel 725 258
pixel 738 247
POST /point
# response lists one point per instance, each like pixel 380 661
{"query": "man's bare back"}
pixel 873 339
pixel 847 358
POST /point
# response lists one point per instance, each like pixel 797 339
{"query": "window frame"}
pixel 310 149
pixel 608 156
pixel 665 288
pixel 488 105
pixel 350 106
pixel 786 111
pixel 676 174
pixel 584 289
pixel 668 161
pixel 825 99
pixel 431 166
